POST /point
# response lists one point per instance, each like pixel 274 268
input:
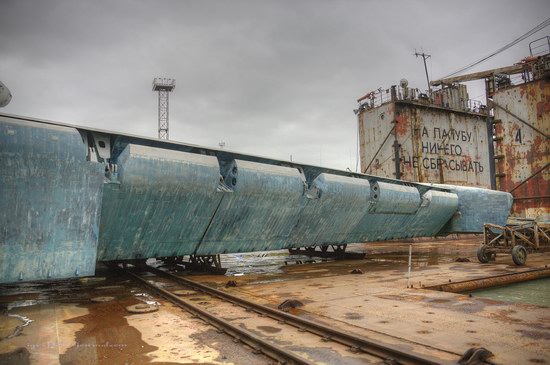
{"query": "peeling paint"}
pixel 524 151
pixel 435 145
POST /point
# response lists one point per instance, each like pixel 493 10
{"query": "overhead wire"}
pixel 539 27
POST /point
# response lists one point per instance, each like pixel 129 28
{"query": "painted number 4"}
pixel 518 136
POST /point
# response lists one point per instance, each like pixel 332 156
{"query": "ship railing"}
pixel 535 67
pixel 395 93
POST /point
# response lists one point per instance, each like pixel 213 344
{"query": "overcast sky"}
pixel 271 78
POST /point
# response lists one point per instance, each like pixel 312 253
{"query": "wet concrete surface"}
pixel 68 328
pixel 379 305
pixel 57 323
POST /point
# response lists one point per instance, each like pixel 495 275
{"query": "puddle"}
pixel 533 292
pixel 278 266
pixel 21 303
pixel 379 255
pixel 263 262
pixel 106 337
pixel 33 293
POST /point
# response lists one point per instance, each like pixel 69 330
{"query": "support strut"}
pixel 337 252
pixel 203 263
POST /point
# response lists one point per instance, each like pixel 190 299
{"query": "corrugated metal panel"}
pixel 434 144
pixel 161 204
pixel 50 198
pixel 520 149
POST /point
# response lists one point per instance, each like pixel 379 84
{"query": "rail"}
pixel 395 93
pixel 258 344
pixel 533 68
pixel 540 46
pixel 355 343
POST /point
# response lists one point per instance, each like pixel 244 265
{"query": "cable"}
pixel 539 27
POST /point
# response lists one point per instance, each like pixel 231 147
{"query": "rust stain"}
pixel 522 91
pixel 436 145
pixel 543 106
pixel 402 124
pixel 525 151
pixel 504 315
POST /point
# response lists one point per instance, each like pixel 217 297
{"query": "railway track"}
pixel 202 301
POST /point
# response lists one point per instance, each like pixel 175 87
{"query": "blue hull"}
pixel 71 196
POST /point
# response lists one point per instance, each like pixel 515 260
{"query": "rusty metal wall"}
pixel 434 144
pixel 520 150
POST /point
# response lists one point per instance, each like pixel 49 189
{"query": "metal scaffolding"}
pixel 163 86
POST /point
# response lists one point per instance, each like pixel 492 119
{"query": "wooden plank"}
pixel 508 70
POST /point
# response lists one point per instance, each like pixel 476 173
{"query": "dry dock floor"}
pixel 52 323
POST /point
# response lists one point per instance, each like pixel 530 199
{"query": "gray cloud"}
pixel 272 78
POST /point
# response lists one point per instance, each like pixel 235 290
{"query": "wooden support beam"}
pixel 508 70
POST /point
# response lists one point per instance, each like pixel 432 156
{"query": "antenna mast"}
pixel 163 86
pixel 425 57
